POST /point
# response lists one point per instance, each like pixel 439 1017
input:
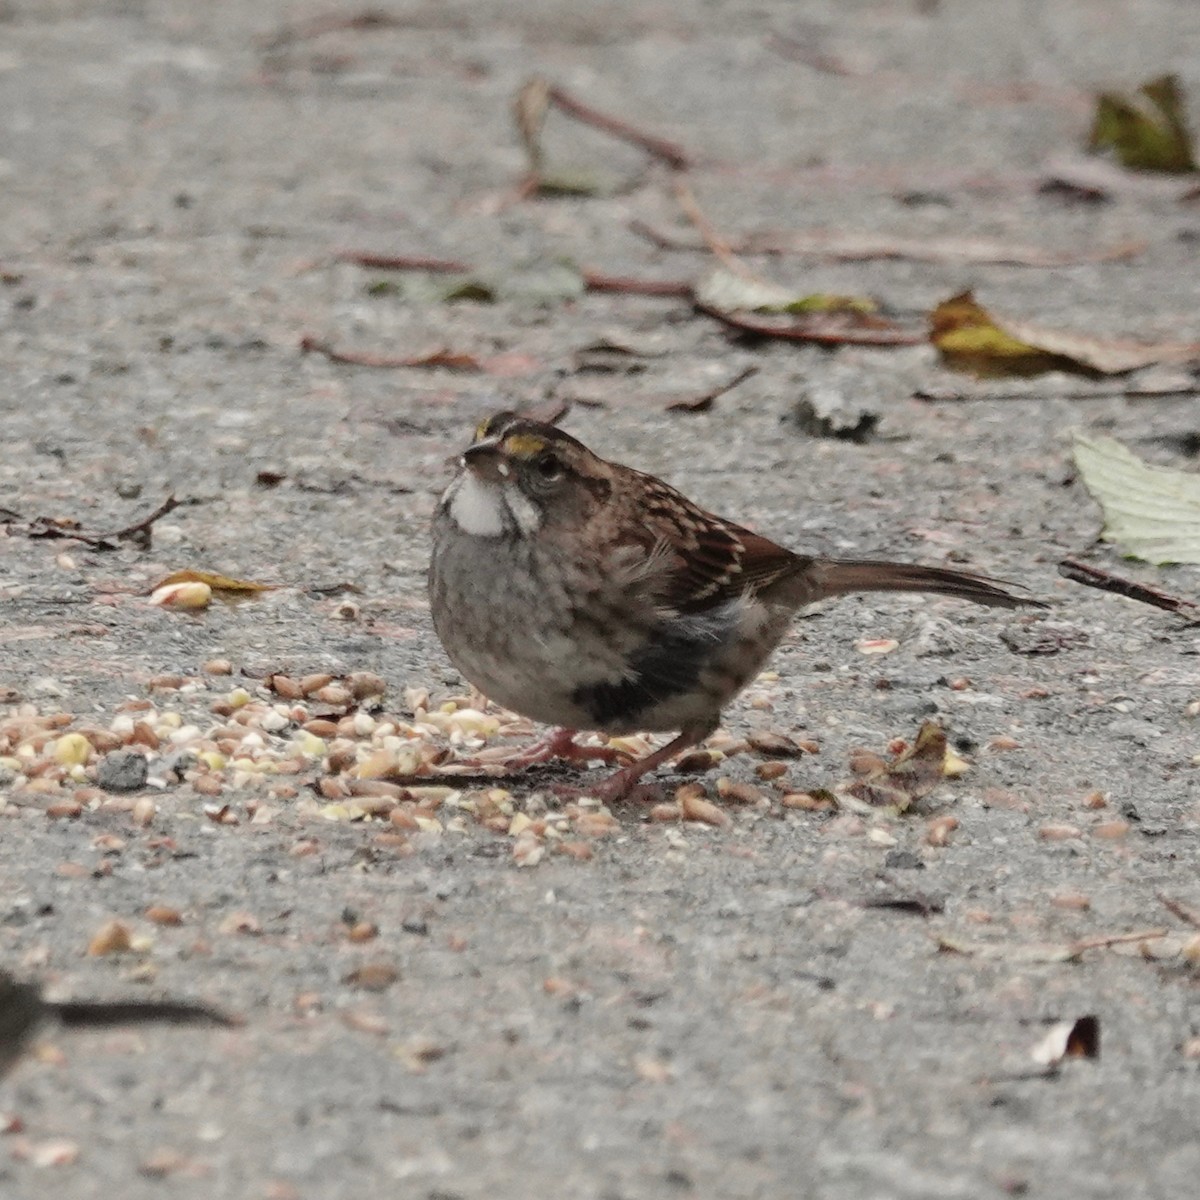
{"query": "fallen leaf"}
pixel 970 339
pixel 1151 512
pixel 1147 131
pixel 1068 1039
pixel 909 777
pixel 734 291
pixel 218 583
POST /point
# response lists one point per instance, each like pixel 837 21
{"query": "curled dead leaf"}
pixel 218 583
pixel 970 339
pixel 1079 1038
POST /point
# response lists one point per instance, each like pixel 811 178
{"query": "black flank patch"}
pixel 667 666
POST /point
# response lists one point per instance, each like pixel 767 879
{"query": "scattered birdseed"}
pixel 328 748
pixel 113 937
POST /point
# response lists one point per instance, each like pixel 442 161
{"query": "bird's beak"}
pixel 485 462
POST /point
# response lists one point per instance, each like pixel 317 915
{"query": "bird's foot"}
pixel 626 784
pixel 561 744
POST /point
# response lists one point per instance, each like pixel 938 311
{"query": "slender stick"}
pixel 1115 939
pixel 144 525
pixel 671 153
pixel 719 246
pixel 404 262
pixel 441 357
pixel 704 402
pixel 818 329
pixel 1183 911
pixel 1106 581
pixel 598 282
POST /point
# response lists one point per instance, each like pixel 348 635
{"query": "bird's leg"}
pixel 620 783
pixel 561 743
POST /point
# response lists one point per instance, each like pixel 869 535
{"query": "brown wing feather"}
pixel 709 560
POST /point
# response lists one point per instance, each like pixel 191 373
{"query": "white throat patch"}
pixel 476 507
pixel 480 508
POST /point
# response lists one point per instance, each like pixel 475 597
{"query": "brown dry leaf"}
pixel 909 777
pixel 218 583
pixel 971 339
pixel 1147 131
pixel 1069 1039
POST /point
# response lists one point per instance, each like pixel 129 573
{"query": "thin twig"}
pixel 139 531
pixel 440 357
pixel 809 53
pixel 704 402
pixel 851 246
pixel 595 281
pixel 661 238
pixel 819 328
pixel 719 246
pixel 365 21
pixel 1115 939
pixel 598 282
pixel 674 155
pixel 1106 581
pixel 143 526
pixel 404 262
pixel 1183 911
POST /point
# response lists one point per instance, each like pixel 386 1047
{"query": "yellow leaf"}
pixel 218 583
pixel 971 339
pixel 1146 131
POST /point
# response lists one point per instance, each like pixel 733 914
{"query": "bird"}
pixel 586 595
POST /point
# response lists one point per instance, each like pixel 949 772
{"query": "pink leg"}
pixel 621 783
pixel 560 743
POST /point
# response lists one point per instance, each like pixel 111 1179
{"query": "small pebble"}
pixel 122 771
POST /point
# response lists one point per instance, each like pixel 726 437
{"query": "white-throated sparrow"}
pixel 587 595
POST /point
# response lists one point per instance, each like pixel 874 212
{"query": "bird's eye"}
pixel 548 468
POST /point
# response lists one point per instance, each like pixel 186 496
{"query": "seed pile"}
pixel 331 748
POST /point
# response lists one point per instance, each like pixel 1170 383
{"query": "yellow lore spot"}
pixel 524 445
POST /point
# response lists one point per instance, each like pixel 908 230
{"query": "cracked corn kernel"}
pixel 72 749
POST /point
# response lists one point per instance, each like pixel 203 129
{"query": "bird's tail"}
pixel 837 577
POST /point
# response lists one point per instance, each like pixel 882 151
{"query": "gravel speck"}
pixel 122 771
